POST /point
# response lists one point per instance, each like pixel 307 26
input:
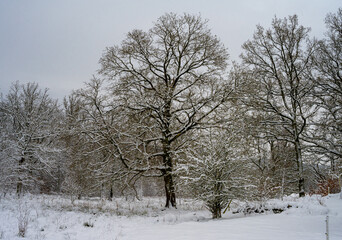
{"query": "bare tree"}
pixel 31 120
pixel 327 135
pixel 279 71
pixel 87 153
pixel 167 82
pixel 77 180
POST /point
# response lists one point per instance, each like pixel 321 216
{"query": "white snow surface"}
pixel 55 217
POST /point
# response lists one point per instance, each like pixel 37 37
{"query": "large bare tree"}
pixel 279 62
pixel 165 82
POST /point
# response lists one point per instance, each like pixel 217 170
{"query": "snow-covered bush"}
pixel 214 170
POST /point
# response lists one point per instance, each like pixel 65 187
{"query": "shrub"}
pixel 88 224
pixel 327 186
pixel 23 219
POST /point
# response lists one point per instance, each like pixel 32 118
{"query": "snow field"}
pixel 55 217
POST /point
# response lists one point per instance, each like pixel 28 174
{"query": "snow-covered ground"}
pixel 51 217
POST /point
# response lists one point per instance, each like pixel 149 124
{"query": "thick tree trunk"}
pixel 168 178
pixel 169 183
pixel 169 191
pixel 167 158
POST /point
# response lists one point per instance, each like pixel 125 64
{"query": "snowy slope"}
pixel 52 218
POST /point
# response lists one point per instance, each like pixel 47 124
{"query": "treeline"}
pixel 166 114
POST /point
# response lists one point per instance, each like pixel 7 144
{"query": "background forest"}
pixel 166 115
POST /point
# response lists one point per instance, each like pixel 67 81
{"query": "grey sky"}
pixel 58 43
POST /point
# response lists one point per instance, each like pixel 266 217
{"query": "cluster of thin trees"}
pixel 166 113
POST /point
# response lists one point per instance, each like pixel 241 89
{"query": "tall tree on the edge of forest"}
pixel 280 64
pixel 327 137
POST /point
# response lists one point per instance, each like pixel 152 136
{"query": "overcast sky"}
pixel 58 43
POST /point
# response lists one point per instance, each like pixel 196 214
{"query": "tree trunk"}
pixel 19 187
pixel 111 193
pixel 217 210
pixel 300 168
pixel 169 190
pixel 167 160
pixel 301 187
pixel 20 182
